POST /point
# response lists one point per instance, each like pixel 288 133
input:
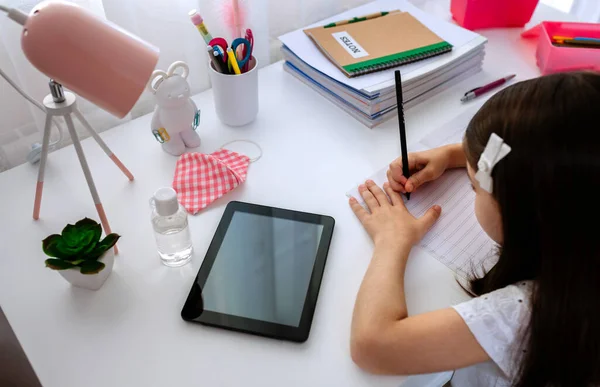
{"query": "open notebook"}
pixel 377 44
pixel 456 239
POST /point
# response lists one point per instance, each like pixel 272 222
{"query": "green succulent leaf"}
pixel 78 245
pixel 91 267
pixel 86 222
pixel 81 238
pixel 70 235
pixel 104 245
pixel 58 264
pixel 89 225
pixel 69 252
pixel 76 241
pixel 50 245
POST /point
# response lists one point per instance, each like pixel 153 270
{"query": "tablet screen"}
pixel 263 268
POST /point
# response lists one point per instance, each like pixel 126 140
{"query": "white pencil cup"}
pixel 236 96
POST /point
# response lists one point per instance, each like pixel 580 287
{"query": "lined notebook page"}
pixel 456 239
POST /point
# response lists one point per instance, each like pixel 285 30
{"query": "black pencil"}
pixel 402 126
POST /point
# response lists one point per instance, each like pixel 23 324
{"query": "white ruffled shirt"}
pixel 496 320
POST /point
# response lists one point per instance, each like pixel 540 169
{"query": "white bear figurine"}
pixel 175 111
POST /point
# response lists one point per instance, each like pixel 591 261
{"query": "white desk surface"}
pixel 130 333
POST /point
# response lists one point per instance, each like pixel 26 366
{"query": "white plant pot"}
pixel 91 281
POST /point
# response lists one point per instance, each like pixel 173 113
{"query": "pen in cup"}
pixel 250 38
pixel 216 60
pixel 233 61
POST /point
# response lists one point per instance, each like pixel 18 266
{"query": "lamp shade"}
pixel 90 56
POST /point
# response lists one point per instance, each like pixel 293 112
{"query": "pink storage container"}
pixel 474 14
pixel 552 59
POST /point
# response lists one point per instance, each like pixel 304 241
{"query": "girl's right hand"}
pixel 424 166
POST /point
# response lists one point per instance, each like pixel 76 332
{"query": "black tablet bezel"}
pixel 193 303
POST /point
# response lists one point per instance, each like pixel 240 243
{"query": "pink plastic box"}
pixel 552 59
pixel 474 14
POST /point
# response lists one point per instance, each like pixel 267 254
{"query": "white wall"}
pixel 164 23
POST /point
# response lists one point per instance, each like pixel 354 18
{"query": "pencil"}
pixel 402 127
pixel 360 18
pixel 233 61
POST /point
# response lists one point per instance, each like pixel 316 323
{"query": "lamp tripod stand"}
pixel 60 103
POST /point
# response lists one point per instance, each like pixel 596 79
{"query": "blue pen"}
pixel 584 39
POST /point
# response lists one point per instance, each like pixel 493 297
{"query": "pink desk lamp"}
pixel 94 58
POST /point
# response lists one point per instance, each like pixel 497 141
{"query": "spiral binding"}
pixel 398 62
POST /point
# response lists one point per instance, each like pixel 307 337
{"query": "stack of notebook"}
pixel 352 63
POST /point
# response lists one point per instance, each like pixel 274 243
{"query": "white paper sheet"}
pixel 457 240
pixel 303 47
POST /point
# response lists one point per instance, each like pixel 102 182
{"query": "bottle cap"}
pixel 165 200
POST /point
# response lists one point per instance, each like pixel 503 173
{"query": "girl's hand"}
pixel 388 222
pixel 425 166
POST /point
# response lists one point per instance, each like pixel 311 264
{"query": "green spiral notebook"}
pixel 379 43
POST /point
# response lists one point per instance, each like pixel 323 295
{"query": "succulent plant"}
pixel 78 245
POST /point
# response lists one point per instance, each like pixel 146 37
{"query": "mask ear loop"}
pixel 249 142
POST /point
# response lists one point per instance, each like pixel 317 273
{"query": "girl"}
pixel 532 153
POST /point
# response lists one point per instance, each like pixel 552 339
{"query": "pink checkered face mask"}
pixel 201 178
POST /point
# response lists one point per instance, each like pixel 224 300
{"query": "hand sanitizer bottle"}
pixel 171 230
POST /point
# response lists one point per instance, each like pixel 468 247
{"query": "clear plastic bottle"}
pixel 171 230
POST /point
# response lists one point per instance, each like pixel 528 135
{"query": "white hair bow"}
pixel 494 151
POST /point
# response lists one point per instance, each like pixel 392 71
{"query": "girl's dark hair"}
pixel 548 191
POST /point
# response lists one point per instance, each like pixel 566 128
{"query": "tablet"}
pixel 262 272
